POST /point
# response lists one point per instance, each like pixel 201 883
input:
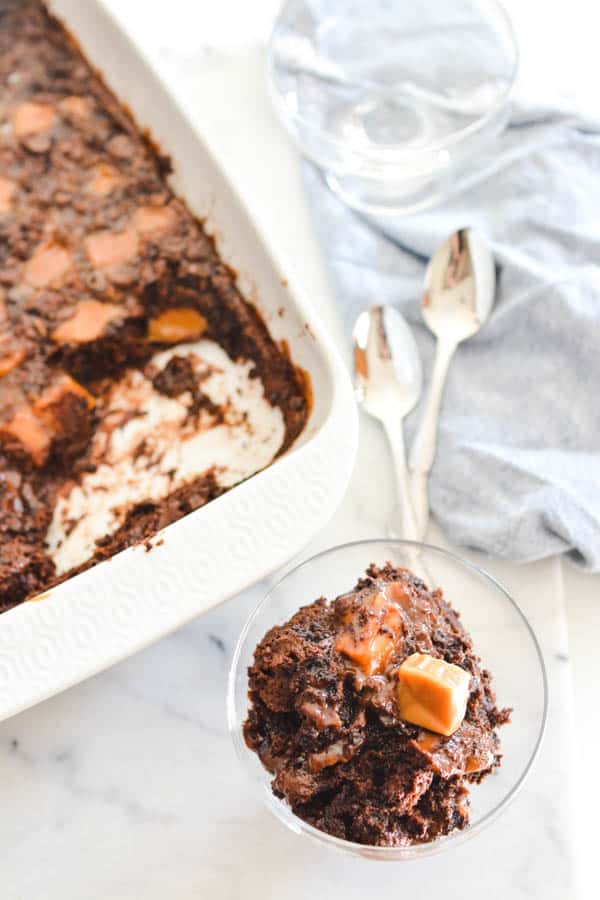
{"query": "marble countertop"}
pixel 127 785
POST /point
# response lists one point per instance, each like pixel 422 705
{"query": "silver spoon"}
pixel 388 382
pixel 459 294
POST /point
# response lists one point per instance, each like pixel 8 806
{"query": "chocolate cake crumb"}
pixel 177 376
pixel 331 735
pixel 23 567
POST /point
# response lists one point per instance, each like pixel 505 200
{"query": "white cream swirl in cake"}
pixel 148 445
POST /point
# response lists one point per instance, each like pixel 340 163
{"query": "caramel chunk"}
pixel 177 324
pixel 428 742
pixel 479 763
pixel 48 264
pixel 32 118
pixel 37 143
pixel 34 428
pixel 104 180
pixel 432 693
pixel 11 361
pixel 106 249
pixel 322 715
pixel 371 633
pixel 29 432
pixel 87 323
pixel 121 146
pixel 154 219
pixel 331 756
pixel 58 390
pixel 77 107
pixel 7 189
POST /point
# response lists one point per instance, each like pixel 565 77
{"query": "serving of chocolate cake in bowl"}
pixel 372 715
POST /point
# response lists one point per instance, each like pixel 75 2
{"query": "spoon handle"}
pixel 406 525
pixel 423 449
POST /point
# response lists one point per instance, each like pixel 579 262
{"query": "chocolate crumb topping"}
pixel 177 376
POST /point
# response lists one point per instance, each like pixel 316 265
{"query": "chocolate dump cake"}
pixel 373 713
pixel 136 384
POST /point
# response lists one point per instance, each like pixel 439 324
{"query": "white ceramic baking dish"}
pixel 103 615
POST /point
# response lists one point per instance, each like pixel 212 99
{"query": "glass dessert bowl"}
pixel 397 107
pixel 501 637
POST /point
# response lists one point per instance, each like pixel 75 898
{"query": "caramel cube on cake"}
pixel 88 322
pixel 176 324
pixel 432 693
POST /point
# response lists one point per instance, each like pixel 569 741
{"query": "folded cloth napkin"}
pixel 517 471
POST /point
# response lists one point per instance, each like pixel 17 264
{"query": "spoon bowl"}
pixel 387 365
pixel 459 287
pixel 388 382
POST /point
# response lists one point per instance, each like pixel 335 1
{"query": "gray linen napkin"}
pixel 517 472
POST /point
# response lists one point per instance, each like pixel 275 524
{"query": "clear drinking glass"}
pixel 502 638
pixel 393 100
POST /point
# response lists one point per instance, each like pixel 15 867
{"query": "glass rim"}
pixel 284 813
pixel 434 147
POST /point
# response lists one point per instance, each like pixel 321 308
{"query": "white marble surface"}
pixel 127 786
